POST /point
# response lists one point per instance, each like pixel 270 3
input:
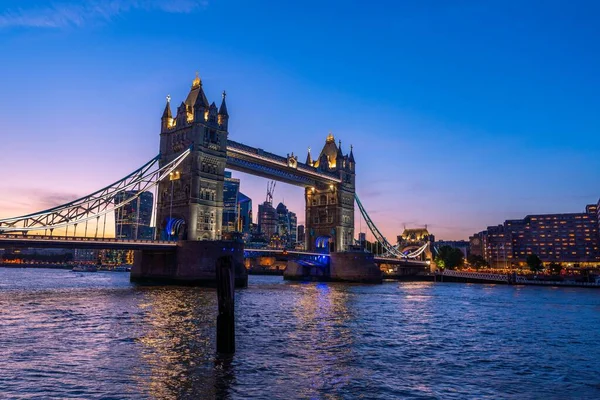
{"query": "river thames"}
pixel 95 335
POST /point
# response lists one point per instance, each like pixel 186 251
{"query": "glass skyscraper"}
pixel 231 191
pixel 132 221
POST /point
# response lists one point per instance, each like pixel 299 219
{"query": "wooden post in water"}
pixel 225 294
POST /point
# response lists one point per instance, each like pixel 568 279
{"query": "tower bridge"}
pixel 193 200
pixel 189 175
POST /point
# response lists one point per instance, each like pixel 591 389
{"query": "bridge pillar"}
pixel 330 208
pixel 191 263
pixel 354 266
pixel 190 201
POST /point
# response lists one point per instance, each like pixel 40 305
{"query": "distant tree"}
pixel 477 261
pixel 449 257
pixel 534 262
pixel 555 268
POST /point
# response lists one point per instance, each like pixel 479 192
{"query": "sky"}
pixel 462 114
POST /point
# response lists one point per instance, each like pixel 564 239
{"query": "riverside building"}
pixel 571 238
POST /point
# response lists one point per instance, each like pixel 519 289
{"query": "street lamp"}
pixel 172 179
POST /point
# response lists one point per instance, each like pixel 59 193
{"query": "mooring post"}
pixel 225 295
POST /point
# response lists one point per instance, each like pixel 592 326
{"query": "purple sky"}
pixel 461 116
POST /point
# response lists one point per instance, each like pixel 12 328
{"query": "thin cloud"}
pixel 66 15
pixel 28 201
pixel 50 200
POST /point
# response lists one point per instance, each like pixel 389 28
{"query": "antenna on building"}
pixel 270 191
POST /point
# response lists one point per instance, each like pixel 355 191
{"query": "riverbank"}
pixel 507 279
pixel 27 265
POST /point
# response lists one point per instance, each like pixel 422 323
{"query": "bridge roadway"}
pixel 377 260
pixel 400 261
pixel 69 242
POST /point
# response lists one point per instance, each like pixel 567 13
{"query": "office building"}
pixel 132 221
pixel 267 220
pixel 569 238
pixel 287 225
pixel 231 190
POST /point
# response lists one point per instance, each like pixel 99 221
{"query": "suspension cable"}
pixel 96 204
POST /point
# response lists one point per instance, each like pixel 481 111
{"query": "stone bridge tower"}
pixel 330 208
pixel 190 201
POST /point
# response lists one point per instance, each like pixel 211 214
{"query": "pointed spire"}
pixel 351 158
pixel 223 108
pixel 201 100
pixel 330 138
pixel 167 112
pixel 339 150
pixel 309 160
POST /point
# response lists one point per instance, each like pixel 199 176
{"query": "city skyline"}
pixel 502 130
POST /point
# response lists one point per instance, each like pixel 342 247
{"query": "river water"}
pixel 95 335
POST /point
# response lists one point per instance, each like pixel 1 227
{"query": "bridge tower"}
pixel 330 208
pixel 190 201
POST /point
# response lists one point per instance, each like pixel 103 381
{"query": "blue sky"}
pixel 462 114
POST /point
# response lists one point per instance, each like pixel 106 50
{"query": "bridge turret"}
pixel 351 165
pixel 223 116
pixel 167 118
pixel 339 159
pixel 309 160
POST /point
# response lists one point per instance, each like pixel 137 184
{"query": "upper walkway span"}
pixel 248 159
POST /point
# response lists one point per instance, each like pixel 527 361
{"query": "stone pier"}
pixel 350 266
pixel 354 266
pixel 191 263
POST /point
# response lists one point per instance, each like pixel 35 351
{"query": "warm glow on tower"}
pixel 196 82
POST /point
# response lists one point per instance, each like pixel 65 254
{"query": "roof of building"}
pixel 415 233
pixel 196 94
pixel 309 160
pixel 281 208
pixel 242 198
pixel 330 150
pixel 167 112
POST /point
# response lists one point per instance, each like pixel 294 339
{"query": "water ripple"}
pixel 67 335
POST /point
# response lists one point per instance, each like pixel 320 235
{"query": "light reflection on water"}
pixel 67 335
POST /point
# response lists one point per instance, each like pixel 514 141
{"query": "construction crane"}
pixel 270 191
